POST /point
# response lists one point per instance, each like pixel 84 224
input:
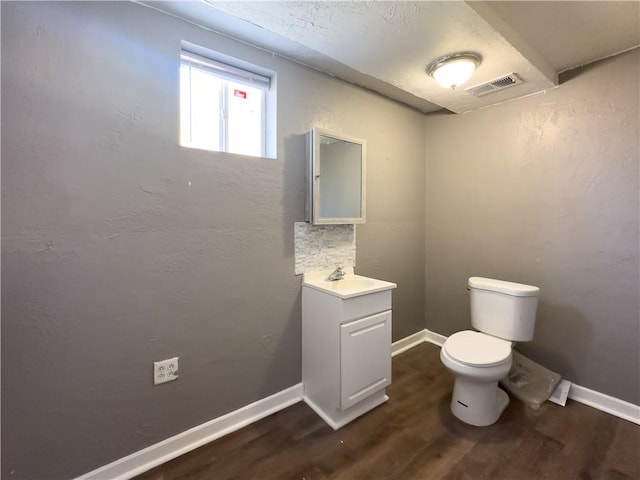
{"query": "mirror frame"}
pixel 314 161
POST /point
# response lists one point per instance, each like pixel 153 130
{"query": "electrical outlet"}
pixel 165 370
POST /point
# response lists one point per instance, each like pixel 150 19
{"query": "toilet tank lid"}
pixel 501 286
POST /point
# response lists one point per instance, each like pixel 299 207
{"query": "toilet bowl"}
pixel 502 312
pixel 478 362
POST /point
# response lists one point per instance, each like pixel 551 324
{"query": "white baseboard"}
pixel 435 338
pixel 417 338
pixel 406 343
pixel 150 457
pixel 614 406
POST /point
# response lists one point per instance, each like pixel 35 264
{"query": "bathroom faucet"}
pixel 337 274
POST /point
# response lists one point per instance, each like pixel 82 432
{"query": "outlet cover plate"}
pixel 561 393
pixel 165 371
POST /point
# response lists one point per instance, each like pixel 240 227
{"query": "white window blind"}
pixel 227 72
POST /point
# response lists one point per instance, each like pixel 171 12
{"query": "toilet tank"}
pixel 503 309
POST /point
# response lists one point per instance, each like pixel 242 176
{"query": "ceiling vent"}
pixel 495 85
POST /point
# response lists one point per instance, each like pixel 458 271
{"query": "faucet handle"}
pixel 337 274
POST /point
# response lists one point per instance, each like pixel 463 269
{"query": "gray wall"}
pixel 544 190
pixel 111 259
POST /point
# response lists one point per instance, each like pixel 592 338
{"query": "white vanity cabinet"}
pixel 346 352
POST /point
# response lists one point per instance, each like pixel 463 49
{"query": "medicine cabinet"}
pixel 335 170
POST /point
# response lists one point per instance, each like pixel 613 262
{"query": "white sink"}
pixel 352 282
pixel 350 286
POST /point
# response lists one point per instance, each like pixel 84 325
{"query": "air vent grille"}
pixel 495 85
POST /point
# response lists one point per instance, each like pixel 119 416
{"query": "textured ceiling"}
pixel 571 34
pixel 386 46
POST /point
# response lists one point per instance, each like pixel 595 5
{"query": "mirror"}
pixel 335 178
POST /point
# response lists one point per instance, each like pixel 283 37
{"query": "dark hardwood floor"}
pixel 414 436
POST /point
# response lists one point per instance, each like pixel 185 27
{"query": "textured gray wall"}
pixel 544 190
pixel 111 259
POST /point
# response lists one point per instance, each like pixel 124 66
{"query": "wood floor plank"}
pixel 621 461
pixel 414 436
pixel 493 445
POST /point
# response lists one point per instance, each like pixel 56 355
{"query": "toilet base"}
pixel 478 404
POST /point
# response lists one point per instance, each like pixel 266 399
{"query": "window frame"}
pixel 229 71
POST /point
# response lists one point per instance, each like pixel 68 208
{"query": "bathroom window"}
pixel 223 107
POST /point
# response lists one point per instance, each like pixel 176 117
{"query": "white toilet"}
pixel 503 312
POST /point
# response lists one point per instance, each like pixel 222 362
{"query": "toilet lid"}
pixel 477 349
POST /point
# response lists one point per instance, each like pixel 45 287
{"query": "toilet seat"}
pixel 477 349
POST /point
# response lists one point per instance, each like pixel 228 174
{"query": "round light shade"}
pixel 453 70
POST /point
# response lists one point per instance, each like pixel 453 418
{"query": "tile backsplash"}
pixel 322 247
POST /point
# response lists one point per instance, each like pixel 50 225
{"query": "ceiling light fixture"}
pixel 454 69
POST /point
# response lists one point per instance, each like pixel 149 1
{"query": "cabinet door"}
pixel 365 357
pixel 336 178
